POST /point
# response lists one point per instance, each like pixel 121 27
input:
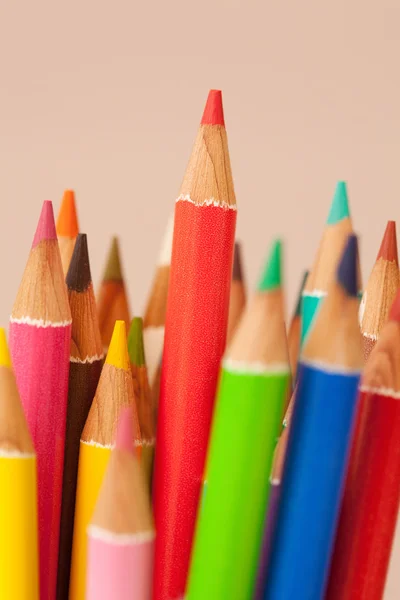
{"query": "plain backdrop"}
pixel 106 97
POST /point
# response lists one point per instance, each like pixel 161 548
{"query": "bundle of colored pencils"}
pixel 206 451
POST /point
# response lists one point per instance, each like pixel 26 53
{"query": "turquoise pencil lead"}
pixel 272 275
pixel 340 204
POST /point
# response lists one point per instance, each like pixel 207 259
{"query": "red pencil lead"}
pixel 388 249
pixel 214 111
pixel 46 227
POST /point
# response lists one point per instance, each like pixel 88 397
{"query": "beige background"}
pixel 105 97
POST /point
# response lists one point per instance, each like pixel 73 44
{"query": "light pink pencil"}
pixel 121 534
pixel 40 334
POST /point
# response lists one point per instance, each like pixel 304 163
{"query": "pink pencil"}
pixel 40 334
pixel 121 535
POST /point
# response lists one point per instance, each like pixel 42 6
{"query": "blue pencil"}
pixel 319 440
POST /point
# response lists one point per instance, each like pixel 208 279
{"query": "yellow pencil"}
pixel 19 579
pixel 114 391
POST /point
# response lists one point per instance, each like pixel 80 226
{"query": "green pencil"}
pixel 247 422
pixel 338 228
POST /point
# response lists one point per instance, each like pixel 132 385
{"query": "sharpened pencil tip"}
pixel 272 275
pixel 213 111
pixel 124 438
pixel 5 358
pixel 340 204
pixel 79 277
pixel 113 271
pixel 388 248
pixel 117 354
pixel 46 228
pixel 303 283
pixel 135 342
pixel 347 273
pixel 237 272
pixel 67 220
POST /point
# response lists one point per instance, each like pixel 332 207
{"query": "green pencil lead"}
pixel 340 204
pixel 135 343
pixel 113 271
pixel 272 274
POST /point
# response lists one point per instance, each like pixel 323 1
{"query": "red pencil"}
pixel 195 335
pixel 40 336
pixel 372 494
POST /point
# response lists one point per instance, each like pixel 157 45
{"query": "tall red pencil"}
pixel 40 335
pixel 372 493
pixel 195 334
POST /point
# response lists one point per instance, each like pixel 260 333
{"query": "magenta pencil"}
pixel 40 335
pixel 121 534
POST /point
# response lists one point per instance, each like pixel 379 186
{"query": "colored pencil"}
pixel 380 291
pixel 273 503
pixel 121 533
pixel 316 456
pixel 237 299
pixel 247 421
pixel 195 336
pixel 155 312
pixel 40 337
pixel 338 227
pixel 67 228
pixel 372 493
pixel 86 359
pixel 19 565
pixel 143 395
pixel 115 390
pixel 112 302
pixel 294 332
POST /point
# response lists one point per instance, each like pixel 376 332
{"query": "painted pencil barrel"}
pixel 43 387
pixel 120 567
pixel 247 423
pixel 371 503
pixel 195 336
pixel 310 305
pixel 269 526
pixel 93 460
pixel 18 529
pixel 312 484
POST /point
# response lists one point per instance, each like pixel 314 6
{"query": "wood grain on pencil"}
pixel 237 298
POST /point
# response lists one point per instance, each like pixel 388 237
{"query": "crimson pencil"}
pixel 372 493
pixel 195 335
pixel 40 336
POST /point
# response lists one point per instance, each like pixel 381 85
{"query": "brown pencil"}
pixel 142 395
pixel 380 291
pixel 154 314
pixel 112 303
pixel 237 299
pixel 67 228
pixel 85 366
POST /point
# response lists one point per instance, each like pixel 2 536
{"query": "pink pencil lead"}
pixel 46 227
